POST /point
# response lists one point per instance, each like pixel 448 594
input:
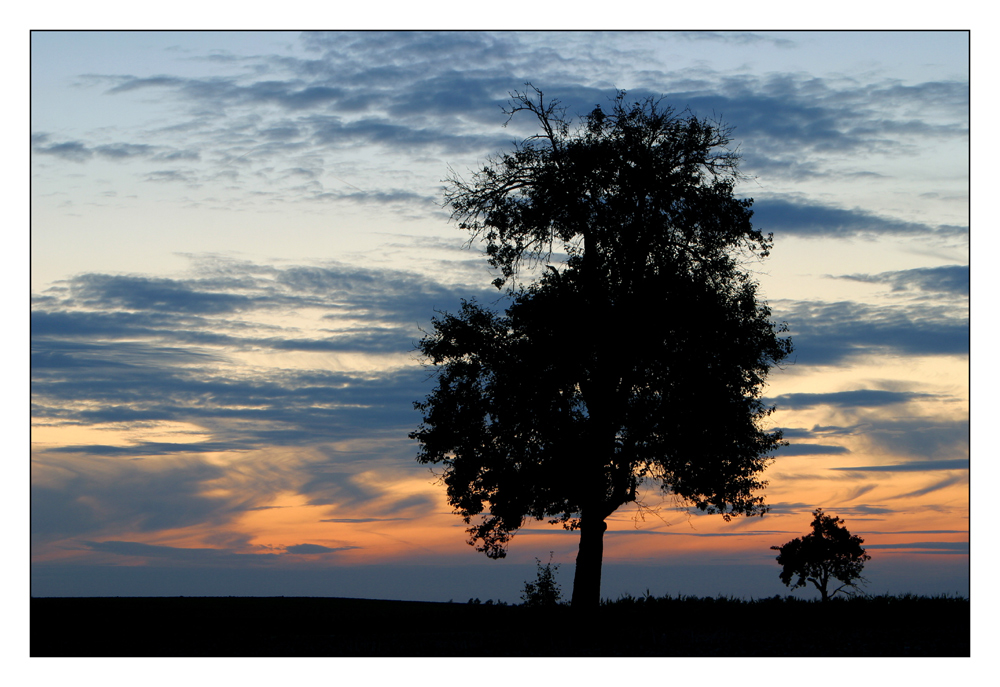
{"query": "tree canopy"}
pixel 827 553
pixel 639 357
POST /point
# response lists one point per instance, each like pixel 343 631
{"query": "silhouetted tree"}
pixel 544 591
pixel 827 553
pixel 643 358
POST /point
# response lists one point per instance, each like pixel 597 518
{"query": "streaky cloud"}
pixel 187 555
pixel 312 549
pixel 124 151
pixel 737 38
pixel 353 521
pixel 937 486
pixel 860 398
pixel 154 448
pixel 912 466
pixel 952 279
pixel 832 333
pixel 75 151
pixel 787 218
pixel 951 546
pixel 810 450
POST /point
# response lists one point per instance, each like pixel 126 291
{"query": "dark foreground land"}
pixel 280 626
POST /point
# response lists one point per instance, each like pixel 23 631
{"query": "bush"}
pixel 544 591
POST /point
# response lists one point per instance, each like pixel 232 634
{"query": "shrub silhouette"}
pixel 544 591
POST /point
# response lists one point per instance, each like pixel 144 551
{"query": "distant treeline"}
pixel 904 625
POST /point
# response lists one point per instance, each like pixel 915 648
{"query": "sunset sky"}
pixel 237 240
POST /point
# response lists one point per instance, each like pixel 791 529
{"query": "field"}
pixel 688 626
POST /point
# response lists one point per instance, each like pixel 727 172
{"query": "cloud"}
pixel 290 408
pixel 177 155
pixel 936 438
pixel 87 495
pixel 795 117
pixel 810 450
pixel 309 549
pixel 76 494
pixel 826 333
pixel 737 38
pixel 930 546
pixel 153 448
pixel 820 431
pixel 212 308
pixel 864 510
pixel 859 491
pixel 168 175
pixel 178 554
pixel 931 439
pixel 74 151
pixel 913 466
pixel 742 533
pixel 126 292
pixel 129 352
pixel 859 398
pixel 790 507
pixel 806 509
pixel 123 151
pixel 360 520
pixel 948 279
pixel 213 556
pixel 788 218
pixel 431 93
pixel 918 532
pixel 936 486
pixel 78 151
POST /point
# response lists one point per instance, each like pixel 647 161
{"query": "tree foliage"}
pixel 827 553
pixel 641 357
pixel 638 190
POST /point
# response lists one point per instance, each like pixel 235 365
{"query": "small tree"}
pixel 827 553
pixel 544 591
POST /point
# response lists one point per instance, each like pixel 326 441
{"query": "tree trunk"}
pixel 820 584
pixel 587 579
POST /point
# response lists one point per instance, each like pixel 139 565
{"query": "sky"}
pixel 237 240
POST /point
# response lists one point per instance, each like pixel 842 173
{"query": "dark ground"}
pixel 280 626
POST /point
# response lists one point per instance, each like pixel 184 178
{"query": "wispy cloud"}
pixel 912 466
pixel 790 218
pixel 174 553
pixel 119 151
pixel 74 151
pixel 405 92
pixel 952 279
pixel 313 549
pixel 830 333
pixel 211 556
pixel 130 351
pixel 360 520
pixel 936 486
pixel 810 450
pixel 737 37
pixel 924 547
pixel 860 398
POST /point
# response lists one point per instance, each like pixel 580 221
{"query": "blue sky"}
pixel 237 239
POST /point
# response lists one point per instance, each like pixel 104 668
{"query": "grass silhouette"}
pixel 901 625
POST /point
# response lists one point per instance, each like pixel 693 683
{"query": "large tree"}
pixel 641 356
